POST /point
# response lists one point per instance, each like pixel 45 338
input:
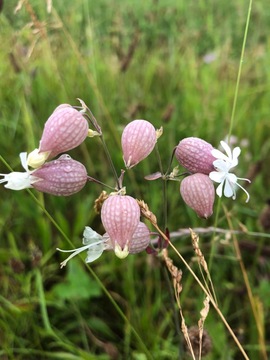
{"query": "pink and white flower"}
pixel 65 129
pixel 61 177
pixel 120 216
pixel 95 244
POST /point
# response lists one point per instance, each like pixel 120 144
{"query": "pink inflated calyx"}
pixel 61 177
pixel 120 216
pixel 138 140
pixel 65 129
pixel 195 155
pixel 140 239
pixel 198 192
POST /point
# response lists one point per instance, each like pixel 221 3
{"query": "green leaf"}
pixel 77 285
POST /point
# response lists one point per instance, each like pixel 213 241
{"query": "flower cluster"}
pixel 120 214
pixel 204 164
pixel 125 233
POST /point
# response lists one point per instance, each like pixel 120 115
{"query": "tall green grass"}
pixel 127 60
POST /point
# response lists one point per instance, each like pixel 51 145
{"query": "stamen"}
pixel 241 187
pixel 233 190
pixel 244 180
pixel 76 252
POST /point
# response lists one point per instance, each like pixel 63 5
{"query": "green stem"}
pixel 164 188
pixel 239 71
pixel 45 317
pixel 95 124
pixel 122 315
pixel 170 163
pixel 213 245
pixel 110 162
pixel 90 178
pixel 42 301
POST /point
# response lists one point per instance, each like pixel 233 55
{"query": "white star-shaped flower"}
pixel 93 242
pixel 20 180
pixel 228 182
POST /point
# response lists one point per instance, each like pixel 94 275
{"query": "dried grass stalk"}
pixel 145 211
pixel 198 252
pixel 177 285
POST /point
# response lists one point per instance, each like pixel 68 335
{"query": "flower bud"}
pixel 120 216
pixel 61 177
pixel 195 155
pixel 138 140
pixel 198 192
pixel 65 129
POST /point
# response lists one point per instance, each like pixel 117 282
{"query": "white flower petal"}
pixel 217 176
pixel 20 180
pixel 229 190
pixel 219 155
pixel 227 149
pixel 90 236
pixel 221 165
pixel 17 180
pixel 23 157
pixel 232 178
pixel 236 152
pixel 219 189
pixel 95 252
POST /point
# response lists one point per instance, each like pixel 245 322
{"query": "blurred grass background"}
pixel 174 63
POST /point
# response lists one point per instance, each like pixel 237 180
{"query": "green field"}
pixel 182 66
